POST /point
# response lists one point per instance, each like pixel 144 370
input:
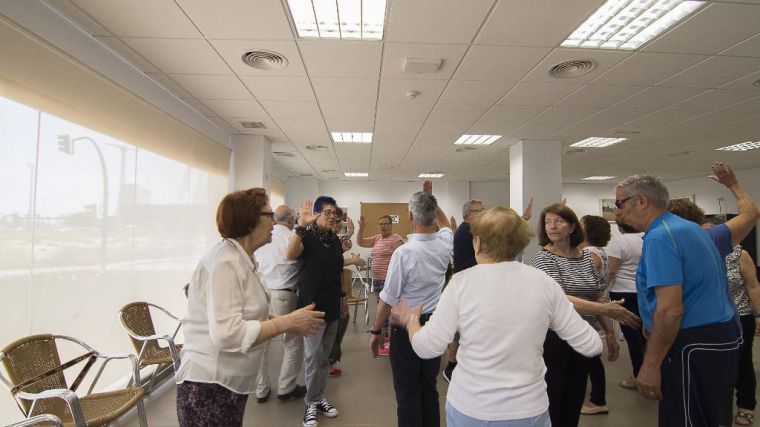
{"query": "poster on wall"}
pixel 394 219
pixel 607 209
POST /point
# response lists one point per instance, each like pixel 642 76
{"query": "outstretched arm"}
pixel 743 223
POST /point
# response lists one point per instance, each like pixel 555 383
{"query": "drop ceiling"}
pixel 678 98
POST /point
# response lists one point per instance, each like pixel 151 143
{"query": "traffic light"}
pixel 65 145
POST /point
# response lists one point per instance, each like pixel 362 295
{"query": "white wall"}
pixel 492 193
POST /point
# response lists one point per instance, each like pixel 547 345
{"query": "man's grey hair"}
pixel 423 207
pixel 468 205
pixel 284 215
pixel 649 186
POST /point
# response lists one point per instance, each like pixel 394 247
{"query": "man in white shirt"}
pixel 280 276
pixel 416 273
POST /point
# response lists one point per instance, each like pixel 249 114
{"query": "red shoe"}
pixel 334 372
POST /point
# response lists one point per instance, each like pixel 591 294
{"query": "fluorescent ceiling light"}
pixel 356 174
pixel 477 139
pixel 339 19
pixel 354 137
pixel 598 178
pixel 597 142
pixel 628 24
pixel 744 146
pixel 430 175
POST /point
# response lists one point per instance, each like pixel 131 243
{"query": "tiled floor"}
pixel 364 394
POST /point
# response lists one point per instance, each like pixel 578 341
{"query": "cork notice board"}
pixel 373 211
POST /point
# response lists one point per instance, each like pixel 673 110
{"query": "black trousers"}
pixel 634 337
pixel 598 381
pixel 566 372
pixel 699 370
pixel 414 380
pixel 745 382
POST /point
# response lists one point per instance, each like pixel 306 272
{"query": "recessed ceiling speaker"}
pixel 253 125
pixel 264 60
pixel 572 69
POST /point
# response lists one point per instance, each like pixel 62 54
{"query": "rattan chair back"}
pixel 136 316
pixel 29 357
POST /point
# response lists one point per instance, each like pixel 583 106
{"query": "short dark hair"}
pixel 626 229
pixel 576 237
pixel 321 201
pixel 687 210
pixel 597 230
pixel 236 214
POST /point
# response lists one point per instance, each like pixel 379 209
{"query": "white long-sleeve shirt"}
pixel 226 305
pixel 502 312
pixel 279 272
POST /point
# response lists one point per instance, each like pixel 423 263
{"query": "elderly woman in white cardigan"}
pixel 502 309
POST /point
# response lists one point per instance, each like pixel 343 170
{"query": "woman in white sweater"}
pixel 502 309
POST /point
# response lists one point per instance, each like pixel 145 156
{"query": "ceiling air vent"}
pixel 265 60
pixel 316 147
pixel 253 125
pixel 305 174
pixel 572 151
pixel 283 154
pixel 756 83
pixel 572 69
pixel 465 148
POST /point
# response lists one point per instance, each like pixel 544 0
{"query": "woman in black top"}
pixel 321 254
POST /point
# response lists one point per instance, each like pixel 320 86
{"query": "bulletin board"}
pixel 373 211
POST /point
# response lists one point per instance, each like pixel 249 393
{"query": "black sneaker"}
pixel 326 409
pixel 448 371
pixel 298 391
pixel 310 416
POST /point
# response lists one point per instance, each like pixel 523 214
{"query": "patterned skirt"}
pixel 205 404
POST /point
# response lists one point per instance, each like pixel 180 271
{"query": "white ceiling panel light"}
pixel 430 175
pixel 356 174
pixel 629 24
pixel 597 142
pixel 352 137
pixel 339 19
pixel 743 146
pixel 477 139
pixel 598 178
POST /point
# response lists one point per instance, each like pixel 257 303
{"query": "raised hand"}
pixel 453 223
pixel 307 215
pixel 427 187
pixel 723 174
pixel 529 210
pixel 349 227
pixel 362 223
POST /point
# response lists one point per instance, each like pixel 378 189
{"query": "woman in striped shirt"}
pixel 560 234
pixel 383 244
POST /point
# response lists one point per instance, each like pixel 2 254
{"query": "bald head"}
pixel 284 215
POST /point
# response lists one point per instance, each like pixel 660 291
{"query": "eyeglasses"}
pixel 328 214
pixel 262 213
pixel 383 223
pixel 619 203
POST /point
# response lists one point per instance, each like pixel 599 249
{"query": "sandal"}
pixel 744 418
pixel 628 383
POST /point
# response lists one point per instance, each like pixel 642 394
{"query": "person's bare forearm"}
pixel 440 219
pixel 295 247
pixel 666 323
pixel 383 310
pixel 748 212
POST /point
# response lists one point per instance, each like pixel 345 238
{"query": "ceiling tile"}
pixel 235 107
pixel 500 63
pixel 659 97
pixel 212 87
pixel 239 19
pixel 644 68
pixel 474 92
pixel 565 115
pixel 744 83
pixel 296 129
pixel 199 107
pixel 395 55
pixel 713 100
pixel 349 116
pixel 661 119
pixel 714 72
pixel 232 52
pixel 156 18
pixel 400 117
pixel 170 85
pixel 749 47
pixel 279 88
pixel 341 58
pixel 435 21
pixel 728 24
pixel 599 95
pixel 604 59
pixel 128 54
pixel 292 109
pixel 502 119
pixel 546 94
pixel 750 106
pixel 180 56
pixel 514 22
pixel 345 89
pixel 537 130
pixel 395 90
pixel 443 113
pixel 614 117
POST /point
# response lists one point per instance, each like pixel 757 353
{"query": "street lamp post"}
pixel 66 144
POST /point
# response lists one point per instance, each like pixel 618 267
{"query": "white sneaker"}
pixel 310 416
pixel 326 409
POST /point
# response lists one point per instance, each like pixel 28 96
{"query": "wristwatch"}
pixel 375 331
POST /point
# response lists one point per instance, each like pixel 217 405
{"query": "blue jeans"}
pixel 455 418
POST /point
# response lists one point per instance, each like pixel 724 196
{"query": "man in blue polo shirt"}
pixel 692 339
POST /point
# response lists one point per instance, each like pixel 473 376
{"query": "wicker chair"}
pixel 136 319
pixel 352 277
pixel 40 420
pixel 36 381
